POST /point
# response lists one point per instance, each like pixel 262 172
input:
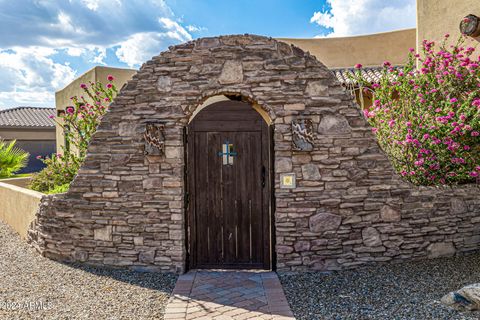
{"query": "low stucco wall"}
pixel 19 182
pixel 18 206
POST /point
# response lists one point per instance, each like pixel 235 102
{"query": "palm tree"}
pixel 12 158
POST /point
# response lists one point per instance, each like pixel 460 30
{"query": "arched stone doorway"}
pixel 229 222
pixel 338 203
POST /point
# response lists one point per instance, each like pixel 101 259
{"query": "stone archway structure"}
pixel 127 208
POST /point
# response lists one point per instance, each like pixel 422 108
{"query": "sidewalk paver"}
pixel 226 294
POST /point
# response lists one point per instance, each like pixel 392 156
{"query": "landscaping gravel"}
pixel 394 291
pixel 33 287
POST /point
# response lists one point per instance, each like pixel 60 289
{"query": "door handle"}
pixel 263 176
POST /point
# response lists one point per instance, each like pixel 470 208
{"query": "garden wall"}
pixel 18 206
pixel 349 208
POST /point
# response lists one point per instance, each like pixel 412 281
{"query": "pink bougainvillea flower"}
pixel 475 134
pixel 83 86
pixel 358 66
pixel 51 116
pixel 38 157
pixel 70 110
pixel 109 85
pixel 110 77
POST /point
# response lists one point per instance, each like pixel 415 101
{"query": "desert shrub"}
pixel 60 189
pixel 79 123
pixel 426 117
pixel 12 159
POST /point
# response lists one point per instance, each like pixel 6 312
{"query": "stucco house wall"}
pixel 369 50
pixel 435 18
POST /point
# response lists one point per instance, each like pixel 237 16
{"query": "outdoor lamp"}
pixel 470 26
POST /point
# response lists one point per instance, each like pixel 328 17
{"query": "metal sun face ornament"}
pixel 470 26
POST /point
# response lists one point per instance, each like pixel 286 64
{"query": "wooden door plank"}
pixel 230 223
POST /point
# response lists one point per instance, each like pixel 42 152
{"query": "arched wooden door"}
pixel 228 172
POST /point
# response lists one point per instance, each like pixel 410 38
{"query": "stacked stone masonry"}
pixel 126 209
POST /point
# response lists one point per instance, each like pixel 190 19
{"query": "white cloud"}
pixel 42 33
pixel 28 76
pixel 91 4
pixel 193 28
pixel 175 30
pixel 21 98
pixel 101 54
pixel 75 52
pixel 140 47
pixel 353 17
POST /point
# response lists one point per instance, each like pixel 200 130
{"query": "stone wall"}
pixel 126 209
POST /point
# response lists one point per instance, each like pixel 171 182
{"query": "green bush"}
pixel 426 115
pixel 12 159
pixel 59 171
pixel 60 189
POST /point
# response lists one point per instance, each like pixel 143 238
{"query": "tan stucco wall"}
pixel 27 134
pixel 18 207
pixel 435 18
pixel 369 50
pixel 19 182
pixel 99 73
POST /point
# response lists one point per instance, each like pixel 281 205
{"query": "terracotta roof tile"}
pixel 371 74
pixel 31 117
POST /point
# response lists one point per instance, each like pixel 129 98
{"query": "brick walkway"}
pixel 228 295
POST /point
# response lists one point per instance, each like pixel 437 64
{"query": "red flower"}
pixel 358 66
pixel 110 77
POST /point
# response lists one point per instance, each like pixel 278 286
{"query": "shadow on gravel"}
pixel 162 282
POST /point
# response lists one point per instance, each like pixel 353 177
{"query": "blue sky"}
pixel 45 44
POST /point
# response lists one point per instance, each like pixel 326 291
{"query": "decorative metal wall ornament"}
pixel 154 139
pixel 470 26
pixel 302 135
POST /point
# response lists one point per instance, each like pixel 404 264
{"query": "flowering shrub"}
pixel 79 123
pixel 427 116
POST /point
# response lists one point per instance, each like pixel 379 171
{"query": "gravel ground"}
pixel 395 291
pixel 33 287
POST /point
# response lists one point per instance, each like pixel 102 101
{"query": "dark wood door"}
pixel 229 188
